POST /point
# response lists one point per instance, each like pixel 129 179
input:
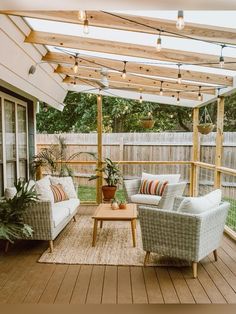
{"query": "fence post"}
pixel 219 140
pixel 99 148
pixel 195 154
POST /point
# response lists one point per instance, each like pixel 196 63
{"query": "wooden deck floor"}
pixel 23 280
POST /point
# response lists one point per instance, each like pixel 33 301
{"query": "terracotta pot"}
pixel 108 192
pixel 122 206
pixel 147 124
pixel 205 128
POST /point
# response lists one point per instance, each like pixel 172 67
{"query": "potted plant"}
pixel 147 122
pixel 205 126
pixel 12 226
pixel 112 178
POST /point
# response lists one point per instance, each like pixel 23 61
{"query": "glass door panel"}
pixel 22 140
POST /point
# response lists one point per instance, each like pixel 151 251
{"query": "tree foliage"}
pixel 123 115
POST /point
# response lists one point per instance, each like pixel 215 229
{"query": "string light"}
pixel 180 20
pixel 222 60
pixel 178 99
pixel 86 27
pixel 140 97
pixel 99 97
pixel 179 80
pixel 76 66
pixel 161 89
pixel 149 114
pixel 124 71
pixel 172 116
pixel 218 95
pixel 200 97
pixel 159 43
pixel 82 15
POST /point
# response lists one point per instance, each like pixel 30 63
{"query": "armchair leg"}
pixel 146 258
pixel 51 246
pixel 215 255
pixel 194 265
pixel 74 218
pixel 7 246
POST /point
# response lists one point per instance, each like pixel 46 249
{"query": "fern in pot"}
pixel 12 226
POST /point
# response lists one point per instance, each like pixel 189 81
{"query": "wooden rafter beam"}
pixel 125 49
pixel 116 85
pixel 125 22
pixel 163 72
pixel 132 80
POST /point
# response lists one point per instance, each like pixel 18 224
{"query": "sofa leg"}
pixel 146 258
pixel 194 269
pixel 51 246
pixel 7 246
pixel 215 255
pixel 74 218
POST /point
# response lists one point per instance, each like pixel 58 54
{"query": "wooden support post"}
pixel 195 154
pixel 219 140
pixel 99 148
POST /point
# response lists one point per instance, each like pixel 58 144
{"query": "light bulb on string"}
pixel 75 67
pixel 82 15
pixel 178 99
pixel 200 97
pixel 161 89
pixel 159 42
pixel 180 20
pixel 179 79
pixel 124 71
pixel 86 27
pixel 99 96
pixel 218 95
pixel 221 59
pixel 140 97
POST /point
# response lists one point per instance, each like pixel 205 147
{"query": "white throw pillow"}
pixel 171 178
pixel 43 189
pixel 198 205
pixel 67 184
pixel 10 193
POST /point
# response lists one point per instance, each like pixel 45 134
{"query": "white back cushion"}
pixel 171 178
pixel 67 184
pixel 43 188
pixel 198 205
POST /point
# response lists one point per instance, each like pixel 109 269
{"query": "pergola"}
pixel 121 56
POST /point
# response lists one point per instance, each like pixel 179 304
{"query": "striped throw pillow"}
pixel 153 187
pixel 58 193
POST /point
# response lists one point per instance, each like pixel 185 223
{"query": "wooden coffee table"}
pixel 105 213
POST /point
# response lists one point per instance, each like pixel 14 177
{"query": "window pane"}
pixel 22 135
pixel 10 141
pixel 1 131
pixel 22 169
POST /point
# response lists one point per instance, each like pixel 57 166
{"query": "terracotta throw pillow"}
pixel 59 193
pixel 153 187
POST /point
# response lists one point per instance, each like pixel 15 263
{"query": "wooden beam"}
pixel 106 20
pixel 139 68
pixel 195 154
pixel 99 148
pixel 117 85
pixel 125 49
pixel 132 80
pixel 219 141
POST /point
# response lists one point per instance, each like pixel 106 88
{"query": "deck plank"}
pixel 94 295
pixel 124 292
pixel 181 287
pixel 152 286
pixel 67 285
pixel 138 286
pixel 110 285
pixel 79 293
pixel 53 285
pixel 167 287
pixel 228 261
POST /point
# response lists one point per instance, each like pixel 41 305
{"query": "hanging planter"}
pixel 205 126
pixel 147 122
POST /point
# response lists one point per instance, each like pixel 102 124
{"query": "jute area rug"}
pixel 113 246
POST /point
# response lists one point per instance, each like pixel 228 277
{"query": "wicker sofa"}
pixel 46 217
pixel 182 235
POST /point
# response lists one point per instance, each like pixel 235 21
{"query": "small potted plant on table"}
pixel 112 178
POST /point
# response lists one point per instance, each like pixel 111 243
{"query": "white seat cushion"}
pixel 59 213
pixel 71 204
pixel 145 199
pixel 198 205
pixel 171 178
pixel 67 184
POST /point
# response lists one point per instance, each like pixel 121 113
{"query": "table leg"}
pixel 101 224
pixel 133 223
pixel 95 227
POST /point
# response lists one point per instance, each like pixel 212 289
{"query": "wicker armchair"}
pixel 182 235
